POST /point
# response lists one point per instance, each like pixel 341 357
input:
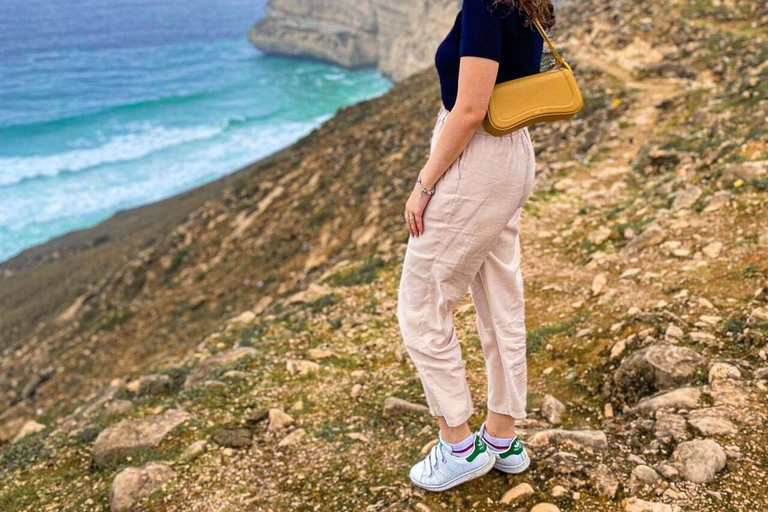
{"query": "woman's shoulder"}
pixel 493 8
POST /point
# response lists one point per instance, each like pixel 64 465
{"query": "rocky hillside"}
pixel 248 357
pixel 399 37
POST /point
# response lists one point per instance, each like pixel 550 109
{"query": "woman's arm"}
pixel 477 77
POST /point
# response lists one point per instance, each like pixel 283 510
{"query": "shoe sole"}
pixel 466 477
pixel 513 470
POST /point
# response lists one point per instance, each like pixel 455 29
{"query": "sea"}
pixel 107 105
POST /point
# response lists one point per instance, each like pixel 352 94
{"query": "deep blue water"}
pixel 110 104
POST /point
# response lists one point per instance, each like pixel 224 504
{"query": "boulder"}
pixel 683 398
pixel 657 367
pixel 699 460
pixel 130 436
pixel 206 367
pixel 133 485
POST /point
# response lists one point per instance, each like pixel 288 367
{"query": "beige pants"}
pixel 470 241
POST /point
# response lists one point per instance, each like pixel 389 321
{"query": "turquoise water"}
pixel 107 105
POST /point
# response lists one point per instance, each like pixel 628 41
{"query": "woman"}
pixel 463 219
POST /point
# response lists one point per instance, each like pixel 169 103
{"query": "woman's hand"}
pixel 414 211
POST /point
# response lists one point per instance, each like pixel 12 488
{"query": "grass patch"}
pixel 364 273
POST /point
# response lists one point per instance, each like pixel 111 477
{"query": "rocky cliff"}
pixel 400 37
pixel 246 356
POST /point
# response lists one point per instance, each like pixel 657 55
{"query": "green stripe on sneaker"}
pixel 515 448
pixel 480 447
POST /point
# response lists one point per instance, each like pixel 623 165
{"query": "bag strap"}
pixel 551 45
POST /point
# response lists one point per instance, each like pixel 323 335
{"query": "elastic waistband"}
pixel 443 115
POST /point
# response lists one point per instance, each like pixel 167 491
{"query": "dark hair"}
pixel 543 10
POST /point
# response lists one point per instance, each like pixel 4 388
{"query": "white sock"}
pixel 496 443
pixel 462 448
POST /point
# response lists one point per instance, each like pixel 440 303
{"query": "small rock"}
pixel 699 460
pixel 653 235
pixel 591 438
pixel 670 429
pixel 246 317
pixel 758 315
pixel 233 437
pixel 723 371
pixel 357 389
pixel 206 367
pixel 668 471
pixel 712 250
pixel 425 449
pixel 117 408
pixel 317 354
pixel 545 507
pixel 674 332
pixel 394 405
pixel 150 385
pixel 559 491
pixel 278 420
pixel 358 436
pixel 683 398
pixel 604 482
pixel 293 438
pixel 638 505
pixel 600 235
pixel 517 492
pixel 133 485
pixel 301 367
pixel 29 428
pixel 645 474
pixel 552 409
pixel 686 198
pixel 194 451
pixel 598 283
pixel 129 436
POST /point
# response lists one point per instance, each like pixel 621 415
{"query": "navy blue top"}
pixel 494 32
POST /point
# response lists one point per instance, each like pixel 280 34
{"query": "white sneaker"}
pixel 513 460
pixel 441 470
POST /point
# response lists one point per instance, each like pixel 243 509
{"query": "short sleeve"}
pixel 481 32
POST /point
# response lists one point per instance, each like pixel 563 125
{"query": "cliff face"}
pixel 399 37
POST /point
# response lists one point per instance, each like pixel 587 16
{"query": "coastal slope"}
pixel 398 37
pixel 247 356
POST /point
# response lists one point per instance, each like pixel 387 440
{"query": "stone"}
pixel 758 315
pixel 194 451
pixel 425 449
pixel 604 481
pixel 745 172
pixel 590 438
pixel 394 405
pixel 545 507
pixel 207 366
pixel 718 200
pixel 668 471
pixel 657 367
pixel 317 354
pixel 129 436
pixel 686 198
pixel 600 235
pixel 699 460
pixel 150 385
pixel 293 438
pixel 517 492
pixel 723 371
pixel 301 367
pixel 712 421
pixel 133 485
pixel 278 420
pixel 598 283
pixel 670 429
pixel 233 437
pixel 682 398
pixel 703 337
pixel 559 491
pixel 653 235
pixel 674 332
pixel 552 409
pixel 244 318
pixel 28 428
pixel 117 408
pixel 637 505
pixel 712 250
pixel 645 474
